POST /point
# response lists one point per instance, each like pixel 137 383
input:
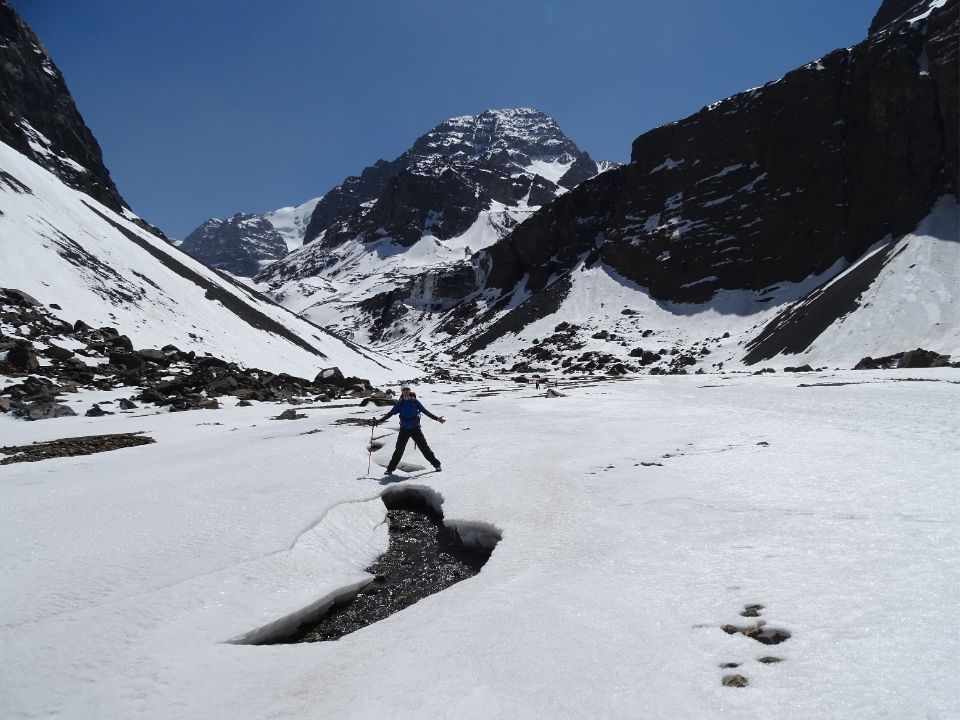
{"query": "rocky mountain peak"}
pixel 508 156
pixel 241 244
pixel 39 118
pixel 893 11
pixel 519 135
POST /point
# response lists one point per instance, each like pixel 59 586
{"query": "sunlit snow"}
pixel 638 517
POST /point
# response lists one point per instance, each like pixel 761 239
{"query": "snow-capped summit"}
pixel 524 140
pixel 494 169
pixel 462 167
pixel 461 187
pixel 244 243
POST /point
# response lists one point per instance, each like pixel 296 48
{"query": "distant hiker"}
pixel 409 409
pixel 537 380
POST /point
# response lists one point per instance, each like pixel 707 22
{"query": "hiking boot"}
pixel 388 471
pixel 437 467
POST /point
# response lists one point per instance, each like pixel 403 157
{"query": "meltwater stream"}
pixel 425 556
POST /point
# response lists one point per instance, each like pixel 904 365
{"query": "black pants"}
pixel 421 443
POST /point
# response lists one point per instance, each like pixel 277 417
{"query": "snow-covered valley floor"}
pixel 637 518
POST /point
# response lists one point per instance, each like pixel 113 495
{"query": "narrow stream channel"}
pixel 425 556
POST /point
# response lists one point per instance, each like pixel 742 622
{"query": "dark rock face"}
pixel 890 11
pixel 38 116
pixel 773 184
pixel 237 245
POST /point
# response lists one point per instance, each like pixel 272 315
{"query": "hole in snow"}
pixel 734 681
pixel 759 632
pixel 426 555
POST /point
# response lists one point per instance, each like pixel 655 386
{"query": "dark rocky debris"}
pixel 166 377
pixel 918 358
pixel 70 447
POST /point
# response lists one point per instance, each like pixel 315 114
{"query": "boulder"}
pixel 23 357
pixel 290 414
pixel 329 376
pixel 242 393
pixel 223 385
pixel 18 297
pixel 152 395
pixel 153 356
pixel 130 362
pixel 58 353
pixel 210 361
pixel 96 411
pixel 921 358
pixel 122 342
pixel 46 410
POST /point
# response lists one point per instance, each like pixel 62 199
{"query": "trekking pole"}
pixel 370 446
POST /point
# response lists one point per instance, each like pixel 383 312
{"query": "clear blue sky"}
pixel 209 107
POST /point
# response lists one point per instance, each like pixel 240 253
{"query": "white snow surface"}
pixel 637 518
pixel 291 222
pixel 914 302
pixel 113 281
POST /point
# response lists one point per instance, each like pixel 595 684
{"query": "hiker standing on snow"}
pixel 409 409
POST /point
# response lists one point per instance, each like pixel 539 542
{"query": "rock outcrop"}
pixel 773 184
pixel 38 116
pixel 241 244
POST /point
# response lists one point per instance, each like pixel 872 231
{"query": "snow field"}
pixel 97 274
pixel 127 574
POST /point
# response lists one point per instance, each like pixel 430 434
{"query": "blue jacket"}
pixel 409 410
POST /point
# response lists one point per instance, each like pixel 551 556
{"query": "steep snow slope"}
pixel 291 222
pixel 901 295
pixel 64 248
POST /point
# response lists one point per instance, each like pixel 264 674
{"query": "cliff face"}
pixel 38 117
pixel 773 184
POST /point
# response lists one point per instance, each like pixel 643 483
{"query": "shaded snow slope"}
pixel 637 517
pixel 900 295
pixel 62 247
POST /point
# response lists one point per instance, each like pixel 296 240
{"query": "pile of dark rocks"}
pixel 918 358
pixel 35 352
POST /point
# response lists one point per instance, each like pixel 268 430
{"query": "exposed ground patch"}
pixel 759 632
pixel 425 556
pixel 70 447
